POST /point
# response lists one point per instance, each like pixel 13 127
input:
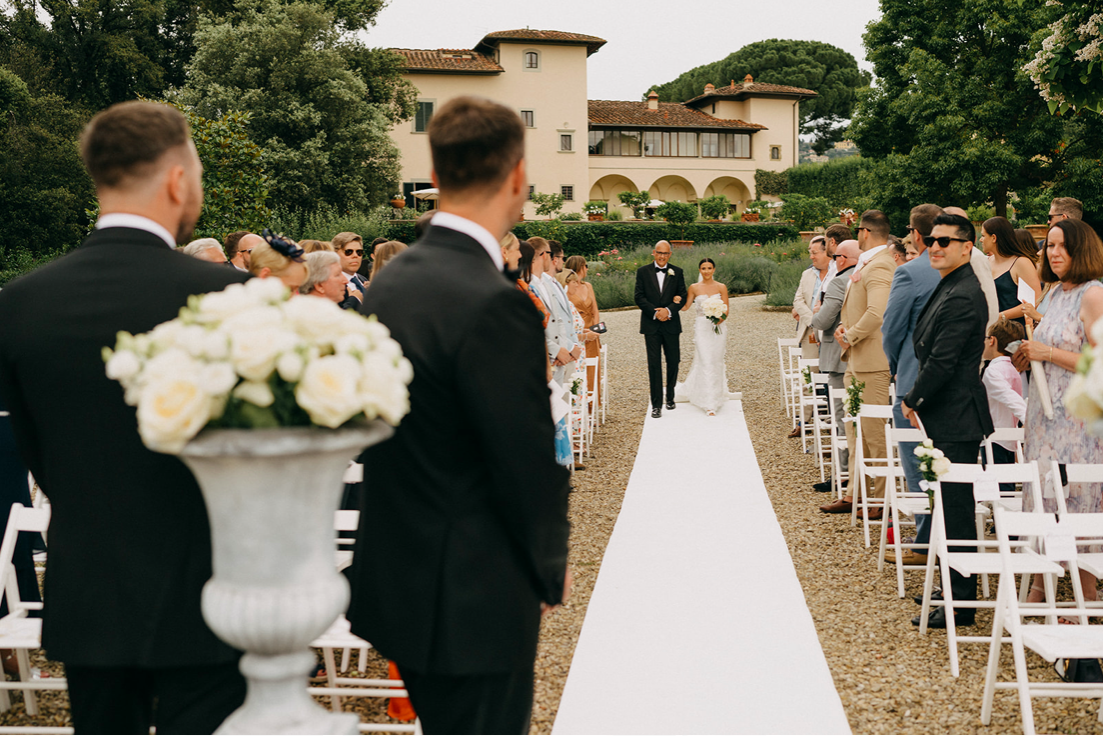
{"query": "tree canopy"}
pixel 828 70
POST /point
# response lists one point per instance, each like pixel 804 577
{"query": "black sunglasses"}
pixel 944 241
pixel 838 255
pixel 350 251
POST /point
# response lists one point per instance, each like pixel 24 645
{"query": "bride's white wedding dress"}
pixel 706 386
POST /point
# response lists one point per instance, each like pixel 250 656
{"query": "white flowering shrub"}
pixel 249 357
pixel 1068 68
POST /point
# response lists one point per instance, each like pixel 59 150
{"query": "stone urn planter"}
pixel 398 204
pixel 749 217
pixel 271 496
pixel 1038 232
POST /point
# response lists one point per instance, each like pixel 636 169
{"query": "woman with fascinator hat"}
pixel 281 258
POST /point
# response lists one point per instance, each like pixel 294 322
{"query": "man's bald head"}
pixel 848 248
pixel 955 211
pixel 245 247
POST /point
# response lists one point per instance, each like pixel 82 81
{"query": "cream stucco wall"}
pixel 556 93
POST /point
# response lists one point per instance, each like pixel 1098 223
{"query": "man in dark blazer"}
pixel 129 539
pixel 660 295
pixel 463 529
pixel 948 394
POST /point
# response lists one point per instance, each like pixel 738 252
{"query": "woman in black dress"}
pixel 1011 262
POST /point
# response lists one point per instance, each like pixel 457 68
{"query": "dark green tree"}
pixel 828 70
pixel 285 64
pixel 953 118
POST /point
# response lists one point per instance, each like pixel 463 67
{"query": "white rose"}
pixel 254 318
pixel 328 389
pixel 123 366
pixel 319 321
pixel 266 291
pixel 172 410
pixel 163 336
pixel 355 344
pixel 255 392
pixel 216 345
pixel 217 379
pixel 290 366
pixel 921 451
pixel 941 466
pixel 383 388
pixel 1092 384
pixel 670 272
pixel 937 454
pixel 192 339
pixel 219 305
pixel 928 443
pixel 254 352
pixel 171 362
pixel 1079 403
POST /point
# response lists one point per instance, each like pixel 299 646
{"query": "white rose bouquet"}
pixel 1084 396
pixel 249 357
pixel 715 310
pixel 933 464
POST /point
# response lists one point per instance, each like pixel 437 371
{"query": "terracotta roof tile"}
pixel 669 115
pixel 752 88
pixel 449 61
pixel 592 43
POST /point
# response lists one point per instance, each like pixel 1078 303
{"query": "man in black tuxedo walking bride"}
pixel 660 293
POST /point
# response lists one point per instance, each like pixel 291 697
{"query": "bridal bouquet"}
pixel 933 464
pixel 715 310
pixel 249 357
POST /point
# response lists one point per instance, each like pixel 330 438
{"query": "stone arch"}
pixel 673 187
pixel 731 187
pixel 608 187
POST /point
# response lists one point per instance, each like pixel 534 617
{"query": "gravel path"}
pixel 890 679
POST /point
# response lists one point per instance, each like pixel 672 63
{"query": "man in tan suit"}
pixel 859 336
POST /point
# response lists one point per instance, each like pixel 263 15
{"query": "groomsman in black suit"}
pixel 660 294
pixel 130 544
pixel 463 530
pixel 948 394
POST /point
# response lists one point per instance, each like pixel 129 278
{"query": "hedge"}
pixel 839 181
pixel 590 238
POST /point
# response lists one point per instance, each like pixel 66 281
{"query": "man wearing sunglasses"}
pixel 1065 208
pixel 948 394
pixel 350 249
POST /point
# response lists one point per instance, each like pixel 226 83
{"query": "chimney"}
pixel 652 100
pixel 748 80
pixel 709 88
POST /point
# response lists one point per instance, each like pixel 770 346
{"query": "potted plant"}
pixel 595 210
pixel 398 201
pixel 266 399
pixel 714 208
pixel 679 214
pixel 753 211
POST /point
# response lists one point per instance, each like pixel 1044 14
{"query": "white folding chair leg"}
pixel 980 535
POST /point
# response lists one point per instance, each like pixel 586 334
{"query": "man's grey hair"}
pixel 195 247
pixel 317 268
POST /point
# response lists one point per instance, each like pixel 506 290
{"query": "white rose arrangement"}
pixel 1084 396
pixel 933 464
pixel 715 310
pixel 249 357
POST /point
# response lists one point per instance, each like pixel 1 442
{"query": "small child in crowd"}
pixel 1003 384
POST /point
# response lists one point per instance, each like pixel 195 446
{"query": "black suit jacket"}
pixel 129 541
pixel 463 529
pixel 650 298
pixel 949 342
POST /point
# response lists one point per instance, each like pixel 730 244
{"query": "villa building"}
pixel 595 149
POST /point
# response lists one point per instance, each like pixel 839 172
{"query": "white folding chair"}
pixel 578 417
pixel 784 366
pixel 604 394
pixel 793 383
pixel 807 399
pixel 17 630
pixel 822 417
pixel 1027 562
pixel 1051 641
pixel 1004 434
pixel 1089 562
pixel 900 502
pixel 590 397
pixel 839 471
pixel 871 467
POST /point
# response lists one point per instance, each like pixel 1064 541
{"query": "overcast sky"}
pixel 649 41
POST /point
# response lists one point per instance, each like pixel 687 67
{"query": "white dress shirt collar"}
pixel 137 222
pixel 479 233
pixel 868 255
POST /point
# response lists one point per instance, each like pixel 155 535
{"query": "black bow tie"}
pixel 659 270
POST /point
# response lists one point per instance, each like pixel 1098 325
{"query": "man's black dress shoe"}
pixel 936 595
pixel 656 412
pixel 822 487
pixel 670 406
pixel 937 619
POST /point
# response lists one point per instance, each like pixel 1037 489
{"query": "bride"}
pixel 707 384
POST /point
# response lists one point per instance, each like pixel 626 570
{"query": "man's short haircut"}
pixel 539 245
pixel 1069 207
pixel 1006 332
pixel 964 227
pixel 837 233
pixel 195 247
pixel 898 245
pixel 377 241
pixel 340 240
pixel 876 222
pixel 556 248
pixel 818 240
pixel 421 224
pixel 475 143
pixel 231 243
pixel 317 268
pixel 1085 254
pixel 123 143
pixel 922 217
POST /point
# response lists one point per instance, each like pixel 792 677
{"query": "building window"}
pixel 532 191
pixel 423 116
pixel 775 153
pixel 669 143
pixel 528 117
pixel 615 142
pixel 566 142
pixel 567 192
pixel 532 61
pixel 725 145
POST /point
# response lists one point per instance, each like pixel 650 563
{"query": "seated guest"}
pixel 205 249
pixel 511 254
pixel 350 247
pixel 1012 261
pixel 1003 384
pixel 562 340
pixel 582 297
pixel 282 259
pixel 947 394
pixel 524 264
pixel 324 277
pixel 384 252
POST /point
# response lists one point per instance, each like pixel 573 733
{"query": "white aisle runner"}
pixel 697 623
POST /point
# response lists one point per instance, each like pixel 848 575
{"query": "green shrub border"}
pixel 590 238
